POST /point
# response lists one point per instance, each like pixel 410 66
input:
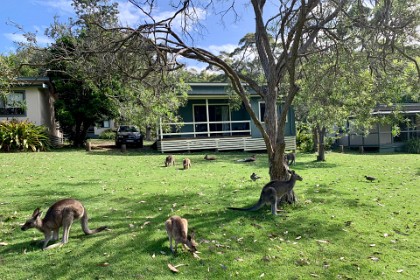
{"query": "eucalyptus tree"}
pixel 332 91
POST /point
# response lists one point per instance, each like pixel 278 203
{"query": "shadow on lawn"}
pixel 137 228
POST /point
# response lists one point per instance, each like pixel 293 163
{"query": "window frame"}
pixel 4 108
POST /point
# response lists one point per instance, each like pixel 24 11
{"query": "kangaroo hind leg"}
pixel 68 217
pixel 272 198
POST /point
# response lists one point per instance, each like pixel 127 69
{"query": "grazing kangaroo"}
pixel 170 160
pixel 186 163
pixel 177 229
pixel 290 159
pixel 60 214
pixel 207 157
pixel 272 192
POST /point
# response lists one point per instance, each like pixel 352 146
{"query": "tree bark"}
pixel 148 133
pixel 315 140
pixel 321 145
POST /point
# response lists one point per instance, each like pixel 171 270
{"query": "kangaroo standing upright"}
pixel 60 214
pixel 272 192
pixel 177 229
pixel 186 163
pixel 170 160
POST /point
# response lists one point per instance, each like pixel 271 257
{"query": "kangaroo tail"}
pixel 85 226
pixel 255 207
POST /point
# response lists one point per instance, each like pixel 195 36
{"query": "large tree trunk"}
pixel 148 133
pixel 321 145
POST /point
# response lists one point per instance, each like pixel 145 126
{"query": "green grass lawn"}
pixel 343 227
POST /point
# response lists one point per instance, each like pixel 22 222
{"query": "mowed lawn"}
pixel 343 227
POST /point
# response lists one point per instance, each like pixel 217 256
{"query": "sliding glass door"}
pixel 213 119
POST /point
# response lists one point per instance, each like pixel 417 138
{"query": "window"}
pixel 218 119
pixel 13 104
pixel 261 107
pixel 104 124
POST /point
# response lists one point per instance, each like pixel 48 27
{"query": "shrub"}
pixel 304 139
pixel 107 134
pixel 413 146
pixel 23 136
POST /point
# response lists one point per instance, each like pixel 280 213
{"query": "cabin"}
pixel 380 137
pixel 211 122
pixel 32 99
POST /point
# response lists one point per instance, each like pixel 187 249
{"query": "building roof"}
pixel 210 90
pixel 406 108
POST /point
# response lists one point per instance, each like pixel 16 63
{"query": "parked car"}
pixel 129 135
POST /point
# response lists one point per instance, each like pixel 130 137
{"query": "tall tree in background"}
pixel 114 61
pixel 332 91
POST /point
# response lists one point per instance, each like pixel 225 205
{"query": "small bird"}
pixel 254 177
pixel 207 157
pixel 250 159
pixel 369 178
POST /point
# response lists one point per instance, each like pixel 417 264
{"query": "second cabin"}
pixel 212 121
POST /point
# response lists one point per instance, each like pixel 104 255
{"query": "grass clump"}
pixel 343 227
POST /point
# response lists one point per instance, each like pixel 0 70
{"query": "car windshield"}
pixel 128 129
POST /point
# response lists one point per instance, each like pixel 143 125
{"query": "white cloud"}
pixel 225 48
pixel 129 14
pixel 62 6
pixel 19 38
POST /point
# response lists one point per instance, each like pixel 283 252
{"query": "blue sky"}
pixel 36 15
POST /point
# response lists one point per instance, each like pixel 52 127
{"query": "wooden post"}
pixel 88 146
pixel 123 148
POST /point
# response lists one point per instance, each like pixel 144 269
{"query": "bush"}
pixel 23 136
pixel 107 134
pixel 304 139
pixel 413 146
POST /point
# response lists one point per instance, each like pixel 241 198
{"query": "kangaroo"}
pixel 60 214
pixel 170 160
pixel 177 229
pixel 272 192
pixel 207 157
pixel 250 159
pixel 290 159
pixel 186 163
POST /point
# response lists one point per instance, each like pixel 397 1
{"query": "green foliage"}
pixel 304 139
pixel 23 136
pixel 107 134
pixel 412 146
pixel 343 227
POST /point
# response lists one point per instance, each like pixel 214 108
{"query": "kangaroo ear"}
pixel 191 236
pixel 36 213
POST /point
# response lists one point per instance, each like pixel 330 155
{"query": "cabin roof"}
pixel 406 108
pixel 211 89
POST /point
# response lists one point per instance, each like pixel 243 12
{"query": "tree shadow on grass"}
pixel 137 230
